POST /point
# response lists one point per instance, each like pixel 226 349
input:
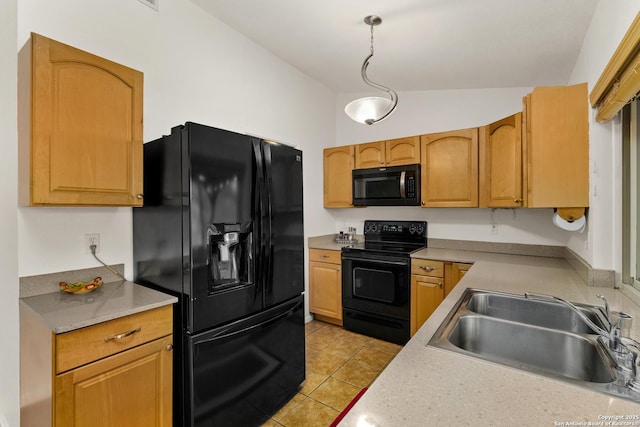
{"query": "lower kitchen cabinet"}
pixel 132 388
pixel 115 373
pixel 431 282
pixel 325 285
pixel 426 295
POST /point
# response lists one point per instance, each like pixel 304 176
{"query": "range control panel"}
pixel 395 230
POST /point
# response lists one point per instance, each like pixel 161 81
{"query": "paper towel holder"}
pixel 570 214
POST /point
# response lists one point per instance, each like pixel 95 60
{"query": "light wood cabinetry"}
pixel 325 285
pixel 431 282
pixel 453 274
pixel 450 169
pixel 427 290
pixel 113 373
pixel 500 169
pixel 337 167
pixel 557 146
pixel 80 121
pixel 393 152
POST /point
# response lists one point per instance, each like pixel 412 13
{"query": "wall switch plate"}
pixel 91 239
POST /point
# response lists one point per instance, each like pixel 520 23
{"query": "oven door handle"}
pixel 403 192
pixel 377 261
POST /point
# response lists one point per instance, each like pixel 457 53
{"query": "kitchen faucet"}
pixel 624 350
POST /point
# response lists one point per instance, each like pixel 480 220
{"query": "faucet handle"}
pixel 623 321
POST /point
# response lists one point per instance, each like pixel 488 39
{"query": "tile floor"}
pixel 339 364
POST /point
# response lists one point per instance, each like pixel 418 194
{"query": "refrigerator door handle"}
pixel 233 330
pixel 268 235
pixel 259 241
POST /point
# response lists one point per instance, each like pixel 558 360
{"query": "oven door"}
pixel 376 283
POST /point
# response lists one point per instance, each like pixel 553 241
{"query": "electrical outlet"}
pixel 91 239
pixel 494 229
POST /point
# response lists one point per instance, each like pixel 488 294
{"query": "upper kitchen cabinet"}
pixel 338 164
pixel 80 128
pixel 394 152
pixel 501 163
pixel 450 169
pixel 557 146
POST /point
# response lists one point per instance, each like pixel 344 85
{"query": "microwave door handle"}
pixel 402 184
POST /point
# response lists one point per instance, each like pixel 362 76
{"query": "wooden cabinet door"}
pixel 86 129
pixel 450 169
pixel 370 155
pixel 557 146
pixel 501 163
pixel 402 151
pixel 325 289
pixel 454 274
pixel 132 388
pixel 338 164
pixel 426 295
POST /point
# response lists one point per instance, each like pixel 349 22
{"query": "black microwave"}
pixel 391 186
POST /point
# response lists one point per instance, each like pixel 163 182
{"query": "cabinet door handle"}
pixel 169 347
pixel 518 200
pixel 440 284
pixel 122 335
pixel 140 196
pixel 427 268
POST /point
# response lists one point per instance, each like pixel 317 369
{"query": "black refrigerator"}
pixel 221 228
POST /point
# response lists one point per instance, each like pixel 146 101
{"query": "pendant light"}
pixel 374 108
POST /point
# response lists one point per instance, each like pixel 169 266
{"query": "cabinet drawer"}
pixel 79 347
pixel 427 267
pixel 324 255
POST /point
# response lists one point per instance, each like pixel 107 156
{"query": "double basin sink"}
pixel 543 337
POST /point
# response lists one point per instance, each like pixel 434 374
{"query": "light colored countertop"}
pixel 425 385
pixel 64 312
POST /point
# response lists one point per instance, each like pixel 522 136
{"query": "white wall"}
pixel 195 69
pixel 608 26
pixel 436 111
pixel 9 322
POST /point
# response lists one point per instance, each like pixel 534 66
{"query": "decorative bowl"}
pixel 81 287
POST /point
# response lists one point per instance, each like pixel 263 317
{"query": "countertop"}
pixel 64 312
pixel 430 386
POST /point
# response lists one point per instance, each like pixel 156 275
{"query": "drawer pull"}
pixel 427 268
pixel 122 335
pixel 324 256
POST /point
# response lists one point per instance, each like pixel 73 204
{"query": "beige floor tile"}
pixel 319 340
pixel 384 346
pixel 313 326
pixel 324 362
pixel 356 373
pixel 313 380
pixel 335 393
pixel 344 347
pixel 374 358
pixel 310 413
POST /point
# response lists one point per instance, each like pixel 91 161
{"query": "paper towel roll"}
pixel 577 225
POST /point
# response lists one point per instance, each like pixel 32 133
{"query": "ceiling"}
pixel 421 44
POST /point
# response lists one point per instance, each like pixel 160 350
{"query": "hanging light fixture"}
pixel 375 108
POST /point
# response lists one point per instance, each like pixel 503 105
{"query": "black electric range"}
pixel 376 276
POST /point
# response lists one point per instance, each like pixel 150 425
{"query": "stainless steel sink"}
pixel 541 337
pixel 539 349
pixel 532 312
